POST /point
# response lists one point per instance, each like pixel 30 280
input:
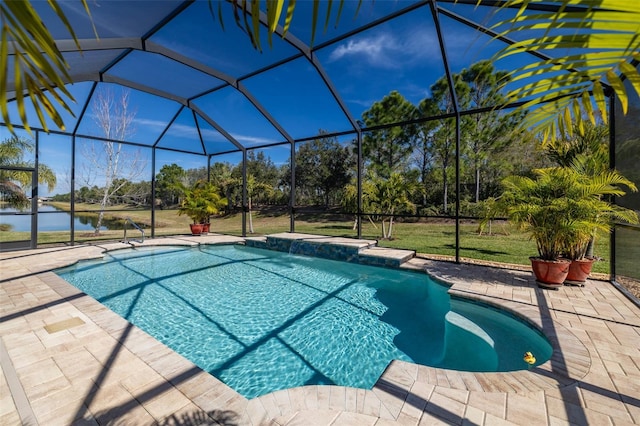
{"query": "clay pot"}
pixel 196 228
pixel 550 273
pixel 579 271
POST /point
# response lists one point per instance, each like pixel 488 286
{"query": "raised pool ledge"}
pixel 334 248
pixel 364 252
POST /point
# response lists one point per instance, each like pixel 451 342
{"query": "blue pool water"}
pixel 261 320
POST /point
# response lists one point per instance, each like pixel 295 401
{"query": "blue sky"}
pixel 402 54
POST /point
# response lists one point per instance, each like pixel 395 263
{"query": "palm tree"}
pixel 255 188
pixel 41 68
pixel 390 196
pixel 200 201
pixel 587 152
pixel 14 183
pixel 39 64
pixel 599 41
pixel 596 208
pixel 600 50
pixel 562 206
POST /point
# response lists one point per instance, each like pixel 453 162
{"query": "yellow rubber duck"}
pixel 529 358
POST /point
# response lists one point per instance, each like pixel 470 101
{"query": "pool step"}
pixel 365 252
pixel 382 256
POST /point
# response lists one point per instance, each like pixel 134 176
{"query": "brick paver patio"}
pixel 66 359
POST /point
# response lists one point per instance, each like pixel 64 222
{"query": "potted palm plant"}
pixel 561 209
pixel 201 201
pixel 541 208
pixel 592 213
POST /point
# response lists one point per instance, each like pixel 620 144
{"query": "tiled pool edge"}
pixel 389 399
pixel 569 363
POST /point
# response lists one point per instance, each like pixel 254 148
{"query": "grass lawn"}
pixel 431 237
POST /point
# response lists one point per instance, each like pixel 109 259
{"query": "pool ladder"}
pixel 127 221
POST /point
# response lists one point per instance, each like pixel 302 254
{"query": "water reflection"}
pixel 56 220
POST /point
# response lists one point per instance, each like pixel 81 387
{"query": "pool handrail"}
pixel 128 220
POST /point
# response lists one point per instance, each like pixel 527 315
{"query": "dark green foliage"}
pixel 323 167
pixel 388 150
pixel 168 184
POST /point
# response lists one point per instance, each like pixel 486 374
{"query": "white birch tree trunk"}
pixel 115 119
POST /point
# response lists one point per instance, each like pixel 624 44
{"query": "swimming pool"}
pixel 262 320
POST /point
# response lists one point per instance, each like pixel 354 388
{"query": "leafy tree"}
pixel 261 167
pixel 221 173
pixel 388 197
pixel 323 166
pixel 388 150
pixel 196 175
pixel 134 193
pixel 263 170
pixel 444 136
pixel 520 156
pixel 13 183
pixel 87 195
pixel 168 183
pixel 424 156
pixel 490 131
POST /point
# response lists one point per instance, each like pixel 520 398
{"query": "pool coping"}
pixel 401 382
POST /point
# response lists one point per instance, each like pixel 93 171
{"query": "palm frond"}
pixel 39 69
pixel 247 16
pixel 600 45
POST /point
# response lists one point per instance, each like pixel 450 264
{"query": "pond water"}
pixel 52 219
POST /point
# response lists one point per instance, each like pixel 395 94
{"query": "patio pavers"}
pixel 92 367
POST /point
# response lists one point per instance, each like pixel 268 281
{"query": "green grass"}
pixel 504 245
pixel 627 252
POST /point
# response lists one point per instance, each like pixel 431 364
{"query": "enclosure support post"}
pixel 359 184
pixel 244 193
pixel 73 160
pixel 612 165
pixel 73 188
pixel 456 110
pixel 292 194
pixel 153 192
pixel 34 195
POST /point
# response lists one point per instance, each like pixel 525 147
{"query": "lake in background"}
pixel 58 221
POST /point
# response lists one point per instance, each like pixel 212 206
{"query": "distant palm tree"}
pixel 255 188
pixel 388 197
pixel 13 183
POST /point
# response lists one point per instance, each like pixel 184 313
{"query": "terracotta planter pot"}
pixel 196 228
pixel 205 228
pixel 579 271
pixel 550 273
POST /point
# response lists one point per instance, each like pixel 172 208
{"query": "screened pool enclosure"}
pixel 296 133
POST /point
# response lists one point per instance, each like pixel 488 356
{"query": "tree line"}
pixel 407 169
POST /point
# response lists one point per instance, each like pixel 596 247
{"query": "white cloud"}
pixel 252 140
pixel 390 50
pixel 376 51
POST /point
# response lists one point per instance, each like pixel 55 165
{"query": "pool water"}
pixel 262 320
